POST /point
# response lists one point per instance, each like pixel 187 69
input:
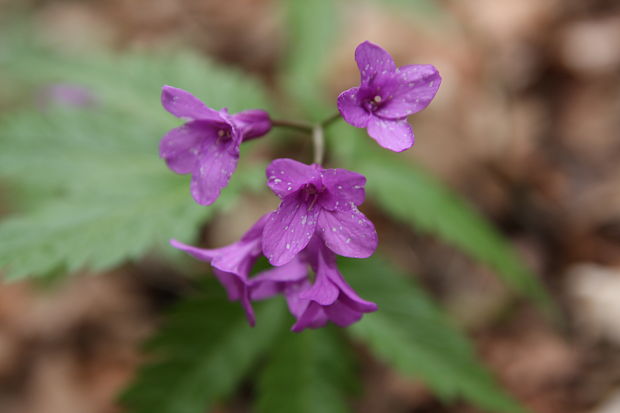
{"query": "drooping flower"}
pixel 207 145
pixel 232 264
pixel 386 96
pixel 328 298
pixel 316 200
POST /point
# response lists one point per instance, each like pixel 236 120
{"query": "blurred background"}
pixel 525 127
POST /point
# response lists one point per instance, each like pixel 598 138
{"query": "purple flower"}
pixel 316 200
pixel 329 298
pixel 314 304
pixel 232 264
pixel 207 145
pixel 66 94
pixel 386 96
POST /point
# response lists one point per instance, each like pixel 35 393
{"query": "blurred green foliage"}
pixel 415 198
pixel 201 355
pixel 410 333
pixel 312 26
pixel 307 373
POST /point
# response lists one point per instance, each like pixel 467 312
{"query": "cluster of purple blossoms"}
pixel 318 217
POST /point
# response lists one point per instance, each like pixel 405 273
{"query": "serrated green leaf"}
pixel 104 196
pixel 312 26
pixel 410 333
pixel 93 189
pixel 307 373
pixel 201 354
pixel 412 196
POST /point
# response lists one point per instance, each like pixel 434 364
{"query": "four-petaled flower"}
pixel 207 145
pixel 386 96
pixel 316 198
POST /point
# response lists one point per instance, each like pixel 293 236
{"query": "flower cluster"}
pixel 318 217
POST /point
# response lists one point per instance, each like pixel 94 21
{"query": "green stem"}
pixel 330 120
pixel 317 130
pixel 301 126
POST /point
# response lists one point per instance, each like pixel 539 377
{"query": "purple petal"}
pixel 288 230
pixel 231 283
pixel 237 261
pixel 285 176
pixel 278 279
pixel 252 123
pixel 343 188
pixel 408 91
pixel 348 295
pixel 312 317
pixel 179 148
pixel 323 291
pixel 183 104
pixel 236 258
pixel 395 135
pixel 216 163
pixel 348 233
pixel 199 253
pixel 341 314
pixel 351 108
pixel 295 304
pixel 327 268
pixel 246 303
pixel 373 61
pixel 329 299
pixel 237 290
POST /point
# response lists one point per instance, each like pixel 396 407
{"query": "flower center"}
pixel 372 104
pixel 223 135
pixel 311 195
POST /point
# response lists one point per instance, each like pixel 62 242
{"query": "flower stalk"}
pixel 300 126
pixel 318 142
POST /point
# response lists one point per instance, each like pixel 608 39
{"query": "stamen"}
pixel 312 203
pixel 377 99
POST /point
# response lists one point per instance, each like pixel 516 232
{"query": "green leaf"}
pixel 103 194
pixel 307 373
pixel 201 354
pixel 414 197
pixel 130 83
pixel 411 334
pixel 312 27
pixel 90 188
